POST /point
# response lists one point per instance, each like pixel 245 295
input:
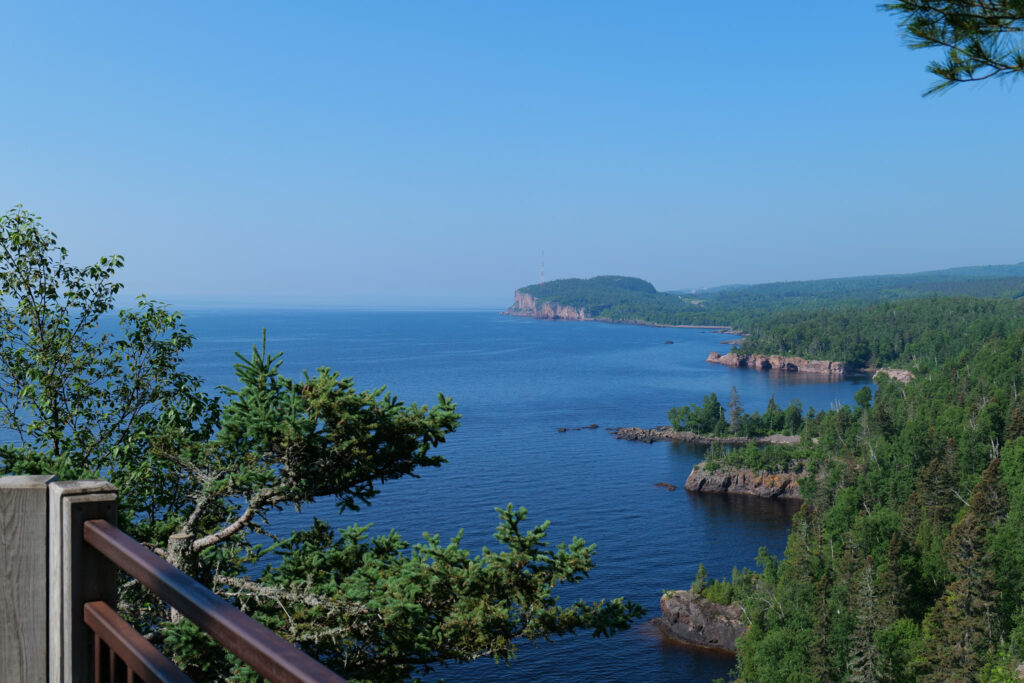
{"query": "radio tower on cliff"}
pixel 542 266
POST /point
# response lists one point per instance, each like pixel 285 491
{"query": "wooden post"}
pixel 23 607
pixel 78 573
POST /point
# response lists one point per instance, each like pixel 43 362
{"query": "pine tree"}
pixel 701 581
pixel 964 623
pixel 863 660
pixel 1016 428
pixel 979 38
pixel 772 415
pixel 735 411
pixel 951 642
pixel 933 499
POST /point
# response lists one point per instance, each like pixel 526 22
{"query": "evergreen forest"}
pixel 913 334
pixel 905 561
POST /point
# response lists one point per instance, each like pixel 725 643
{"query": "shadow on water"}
pixel 650 630
pixel 770 511
pixel 784 377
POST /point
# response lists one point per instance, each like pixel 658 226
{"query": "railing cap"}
pixel 26 481
pixel 84 486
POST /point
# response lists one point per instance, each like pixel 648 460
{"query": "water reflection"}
pixel 768 511
pixel 787 378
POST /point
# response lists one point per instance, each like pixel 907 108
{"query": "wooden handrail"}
pixel 138 654
pixel 270 655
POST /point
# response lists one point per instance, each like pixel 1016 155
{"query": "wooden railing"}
pixel 60 550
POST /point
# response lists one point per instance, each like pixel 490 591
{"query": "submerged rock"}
pixel 666 485
pixel 693 619
pixel 577 429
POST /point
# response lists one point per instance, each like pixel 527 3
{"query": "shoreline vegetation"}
pixel 914 323
pixel 667 433
pixel 565 313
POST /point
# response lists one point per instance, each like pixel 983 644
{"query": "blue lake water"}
pixel 516 381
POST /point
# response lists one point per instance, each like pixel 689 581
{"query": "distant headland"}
pixel 624 299
pixel 605 298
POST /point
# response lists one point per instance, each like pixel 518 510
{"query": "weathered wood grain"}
pixel 23 559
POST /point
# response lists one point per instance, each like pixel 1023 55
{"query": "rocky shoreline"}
pixel 526 306
pixel 666 433
pixel 695 620
pixel 783 363
pixel 829 368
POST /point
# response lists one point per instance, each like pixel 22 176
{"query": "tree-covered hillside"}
pixel 906 561
pixel 619 298
pixel 614 297
pixel 980 281
pixel 912 334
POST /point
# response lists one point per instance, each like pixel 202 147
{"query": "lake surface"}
pixel 517 380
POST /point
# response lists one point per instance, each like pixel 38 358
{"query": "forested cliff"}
pixel 906 561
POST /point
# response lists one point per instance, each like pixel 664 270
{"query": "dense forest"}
pixel 914 334
pixel 906 561
pixel 619 298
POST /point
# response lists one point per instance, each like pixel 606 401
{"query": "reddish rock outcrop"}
pixel 527 306
pixel 727 479
pixel 898 375
pixel 689 617
pixel 784 363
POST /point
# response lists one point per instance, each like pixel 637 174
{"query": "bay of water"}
pixel 516 380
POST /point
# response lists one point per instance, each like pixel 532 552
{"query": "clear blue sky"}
pixel 425 153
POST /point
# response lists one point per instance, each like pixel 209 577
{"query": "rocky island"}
pixel 724 478
pixel 696 620
pixel 737 480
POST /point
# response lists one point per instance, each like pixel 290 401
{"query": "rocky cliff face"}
pixel 693 619
pixel 527 306
pixel 784 363
pixel 748 482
